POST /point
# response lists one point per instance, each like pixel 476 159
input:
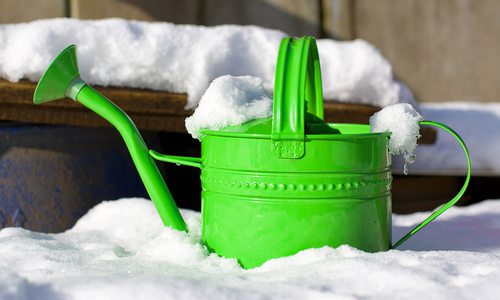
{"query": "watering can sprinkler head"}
pixel 61 79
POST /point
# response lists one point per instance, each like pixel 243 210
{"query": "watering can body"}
pixel 257 206
pixel 270 187
pixel 273 187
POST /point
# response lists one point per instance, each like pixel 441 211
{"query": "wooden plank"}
pixel 16 11
pixel 185 11
pixel 135 100
pixel 337 19
pixel 443 49
pixel 150 110
pixel 339 112
pixel 295 17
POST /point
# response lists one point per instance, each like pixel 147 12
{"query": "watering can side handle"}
pixel 457 197
pixel 181 160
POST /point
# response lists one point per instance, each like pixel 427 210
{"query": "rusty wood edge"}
pixel 133 100
pixel 150 110
pixel 84 117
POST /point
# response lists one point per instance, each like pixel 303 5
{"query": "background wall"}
pixel 443 49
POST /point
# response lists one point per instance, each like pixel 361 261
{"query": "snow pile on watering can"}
pixel 186 58
pixel 120 250
pixel 229 101
pixel 401 120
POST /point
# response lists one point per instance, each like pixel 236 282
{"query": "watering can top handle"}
pixel 454 200
pixel 297 90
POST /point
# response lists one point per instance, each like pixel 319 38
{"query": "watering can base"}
pixel 251 264
pixel 256 230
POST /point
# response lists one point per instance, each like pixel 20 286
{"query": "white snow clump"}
pixel 230 100
pixel 402 121
pixel 355 71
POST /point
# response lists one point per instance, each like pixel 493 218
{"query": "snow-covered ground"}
pixel 120 250
pixel 186 58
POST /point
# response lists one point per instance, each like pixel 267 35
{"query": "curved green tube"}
pixel 150 175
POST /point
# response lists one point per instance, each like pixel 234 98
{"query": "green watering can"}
pixel 275 186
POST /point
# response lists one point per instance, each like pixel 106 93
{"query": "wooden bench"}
pixel 150 110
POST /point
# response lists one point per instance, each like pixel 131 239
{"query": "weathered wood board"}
pixel 150 110
pixel 16 11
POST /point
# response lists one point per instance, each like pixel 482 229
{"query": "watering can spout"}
pixel 62 79
pixel 60 76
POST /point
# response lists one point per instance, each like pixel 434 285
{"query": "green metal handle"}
pixel 297 90
pixel 450 203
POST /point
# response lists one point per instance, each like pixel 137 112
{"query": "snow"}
pixel 356 72
pixel 186 58
pixel 479 126
pixel 228 101
pixel 120 250
pixel 401 120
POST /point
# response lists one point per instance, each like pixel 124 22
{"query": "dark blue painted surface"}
pixel 51 175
